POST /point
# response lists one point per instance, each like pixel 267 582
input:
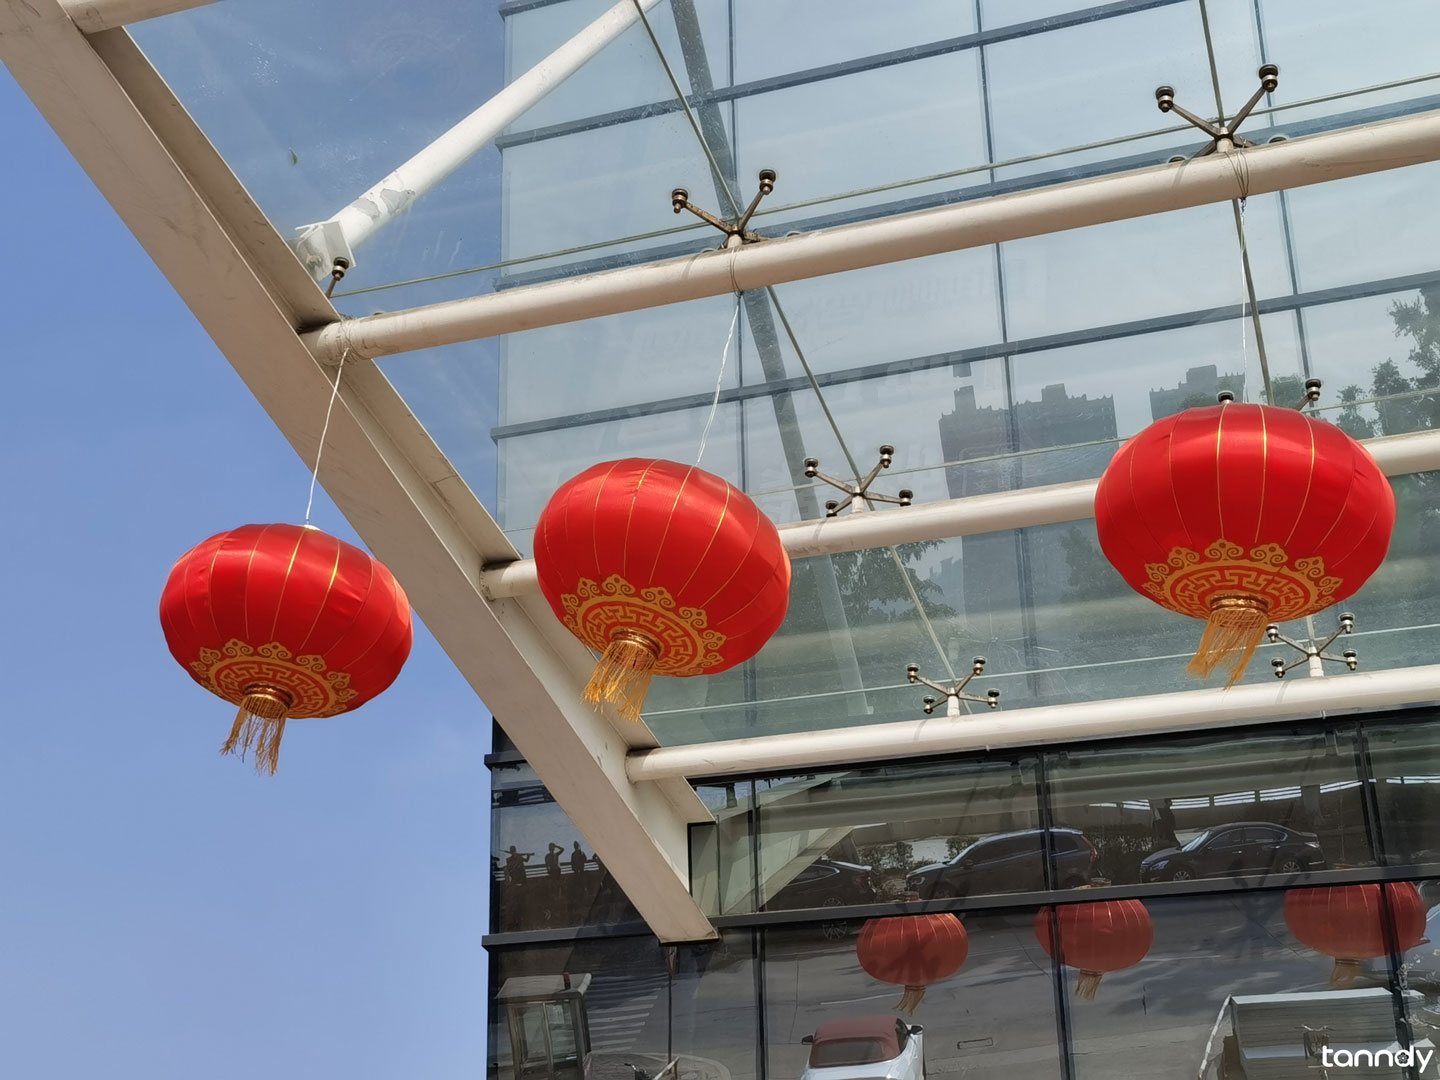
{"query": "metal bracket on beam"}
pixel 736 232
pixel 1222 133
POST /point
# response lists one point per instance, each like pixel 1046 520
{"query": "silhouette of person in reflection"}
pixel 515 866
pixel 577 859
pixel 1163 831
pixel 552 861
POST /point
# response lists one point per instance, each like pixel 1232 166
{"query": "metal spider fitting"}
pixel 861 490
pixel 1312 655
pixel 736 232
pixel 954 694
pixel 1222 132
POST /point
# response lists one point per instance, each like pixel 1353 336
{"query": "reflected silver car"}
pixel 875 1047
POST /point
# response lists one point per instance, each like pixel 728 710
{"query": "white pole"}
pixel 1023 508
pixel 1187 710
pixel 320 244
pixel 1336 155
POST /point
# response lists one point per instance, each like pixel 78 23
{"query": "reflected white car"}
pixel 875 1047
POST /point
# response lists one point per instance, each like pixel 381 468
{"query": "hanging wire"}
pixel 325 430
pixel 724 185
pixel 719 380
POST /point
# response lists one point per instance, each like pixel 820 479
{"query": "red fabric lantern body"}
pixel 284 621
pixel 912 951
pixel 1104 936
pixel 1346 922
pixel 663 569
pixel 1243 515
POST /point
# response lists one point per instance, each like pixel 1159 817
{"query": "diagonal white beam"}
pixel 999 511
pixel 393 484
pixel 1189 709
pixel 93 16
pixel 322 244
pixel 1216 178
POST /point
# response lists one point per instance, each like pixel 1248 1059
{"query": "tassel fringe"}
pixel 1344 972
pixel 258 726
pixel 1232 633
pixel 911 999
pixel 1087 984
pixel 622 677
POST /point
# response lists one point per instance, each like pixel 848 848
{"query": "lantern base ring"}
pixel 622 675
pixel 259 725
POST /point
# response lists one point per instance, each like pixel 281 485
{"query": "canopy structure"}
pixel 490 261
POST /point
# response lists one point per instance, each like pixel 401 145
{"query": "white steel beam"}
pixel 1216 178
pixel 397 489
pixel 93 16
pixel 321 244
pixel 1023 508
pixel 1209 709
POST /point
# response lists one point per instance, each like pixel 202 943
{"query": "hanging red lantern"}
pixel 912 951
pixel 1243 515
pixel 663 569
pixel 1096 938
pixel 1346 922
pixel 284 621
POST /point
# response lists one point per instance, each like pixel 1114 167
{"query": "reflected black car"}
pixel 1009 862
pixel 826 883
pixel 1241 848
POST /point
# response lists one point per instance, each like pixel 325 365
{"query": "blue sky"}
pixel 167 913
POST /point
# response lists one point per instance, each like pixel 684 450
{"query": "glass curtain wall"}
pixel 1223 906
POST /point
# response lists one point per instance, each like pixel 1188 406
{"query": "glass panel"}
pixel 543 872
pixel 1242 996
pixel 591 1008
pixel 1165 811
pixel 951 829
pixel 1405 762
pixel 722 853
pixel 993 1019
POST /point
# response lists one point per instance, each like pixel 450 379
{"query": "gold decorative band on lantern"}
pixel 1189 581
pixel 622 676
pixel 259 726
pixel 231 670
pixel 1233 631
pixel 911 999
pixel 594 612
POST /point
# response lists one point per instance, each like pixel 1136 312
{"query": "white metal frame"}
pixel 402 496
pixel 1218 178
pixel 995 512
pixel 93 16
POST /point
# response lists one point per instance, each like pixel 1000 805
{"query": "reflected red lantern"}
pixel 284 621
pixel 1096 938
pixel 912 951
pixel 664 569
pixel 1346 922
pixel 1243 515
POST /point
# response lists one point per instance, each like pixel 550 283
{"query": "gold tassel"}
pixel 1344 972
pixel 622 677
pixel 1087 984
pixel 258 726
pixel 1232 633
pixel 911 999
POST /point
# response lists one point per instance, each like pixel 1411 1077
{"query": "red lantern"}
pixel 661 568
pixel 1243 515
pixel 912 951
pixel 1096 938
pixel 284 621
pixel 1346 922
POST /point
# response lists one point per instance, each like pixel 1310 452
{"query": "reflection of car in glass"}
pixel 1008 862
pixel 826 883
pixel 1241 847
pixel 878 1047
pixel 1284 1036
